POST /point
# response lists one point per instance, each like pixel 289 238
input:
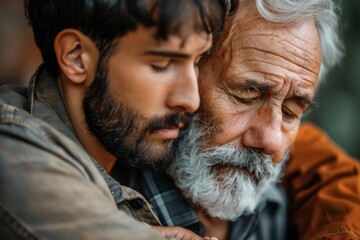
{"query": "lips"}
pixel 169 132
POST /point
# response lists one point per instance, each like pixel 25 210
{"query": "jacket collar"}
pixel 46 103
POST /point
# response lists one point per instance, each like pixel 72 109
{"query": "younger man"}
pixel 118 83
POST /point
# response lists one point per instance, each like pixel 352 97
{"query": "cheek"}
pixel 209 115
pixel 289 137
pixel 224 123
pixel 221 116
pixel 139 89
pixel 130 77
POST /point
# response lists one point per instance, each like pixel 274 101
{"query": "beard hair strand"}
pixel 225 197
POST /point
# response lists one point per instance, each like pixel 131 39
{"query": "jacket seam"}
pixel 16 226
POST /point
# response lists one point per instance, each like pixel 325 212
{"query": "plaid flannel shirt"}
pixel 267 222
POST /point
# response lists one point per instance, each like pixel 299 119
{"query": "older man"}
pixel 255 88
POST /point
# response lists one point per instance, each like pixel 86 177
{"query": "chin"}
pixel 234 196
pixel 152 156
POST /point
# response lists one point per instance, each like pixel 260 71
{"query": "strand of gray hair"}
pixel 325 15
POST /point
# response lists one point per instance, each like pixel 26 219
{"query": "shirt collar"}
pixel 165 199
pixel 172 208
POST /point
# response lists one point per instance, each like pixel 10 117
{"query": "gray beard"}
pixel 226 196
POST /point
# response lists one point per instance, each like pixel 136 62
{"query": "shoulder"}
pixel 29 141
pixel 26 139
pixel 14 96
pixel 48 180
pixel 17 125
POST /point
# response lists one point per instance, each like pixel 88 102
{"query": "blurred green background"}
pixel 339 98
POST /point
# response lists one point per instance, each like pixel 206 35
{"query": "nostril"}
pixel 258 150
pixel 180 109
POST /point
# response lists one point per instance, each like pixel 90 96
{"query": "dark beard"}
pixel 123 132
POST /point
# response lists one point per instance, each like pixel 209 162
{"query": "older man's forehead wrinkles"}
pixel 302 52
pixel 293 51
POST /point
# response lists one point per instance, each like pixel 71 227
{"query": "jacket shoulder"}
pixel 14 96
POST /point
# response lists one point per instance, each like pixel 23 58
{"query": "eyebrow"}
pixel 260 86
pixel 304 99
pixel 170 54
pixel 298 98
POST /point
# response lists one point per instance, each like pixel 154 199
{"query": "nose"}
pixel 184 94
pixel 264 132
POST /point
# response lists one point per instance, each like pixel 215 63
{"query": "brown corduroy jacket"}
pixel 323 185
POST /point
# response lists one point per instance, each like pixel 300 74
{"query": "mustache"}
pixel 169 121
pixel 258 164
pixel 194 142
pixel 226 195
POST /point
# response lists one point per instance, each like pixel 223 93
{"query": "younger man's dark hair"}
pixel 105 20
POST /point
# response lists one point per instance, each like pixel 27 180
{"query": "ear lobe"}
pixel 69 50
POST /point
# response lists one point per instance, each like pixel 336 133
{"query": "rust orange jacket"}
pixel 323 185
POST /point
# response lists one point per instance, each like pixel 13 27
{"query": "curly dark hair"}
pixel 104 20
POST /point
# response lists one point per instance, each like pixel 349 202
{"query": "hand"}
pixel 178 233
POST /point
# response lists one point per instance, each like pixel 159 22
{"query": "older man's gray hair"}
pixel 324 13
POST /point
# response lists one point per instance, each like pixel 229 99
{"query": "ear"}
pixel 75 55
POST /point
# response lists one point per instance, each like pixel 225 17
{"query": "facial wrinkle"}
pixel 299 61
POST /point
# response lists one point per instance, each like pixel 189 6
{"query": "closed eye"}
pixel 244 94
pixel 160 67
pixel 289 115
pixel 295 107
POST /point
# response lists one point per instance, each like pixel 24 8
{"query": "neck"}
pixel 73 95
